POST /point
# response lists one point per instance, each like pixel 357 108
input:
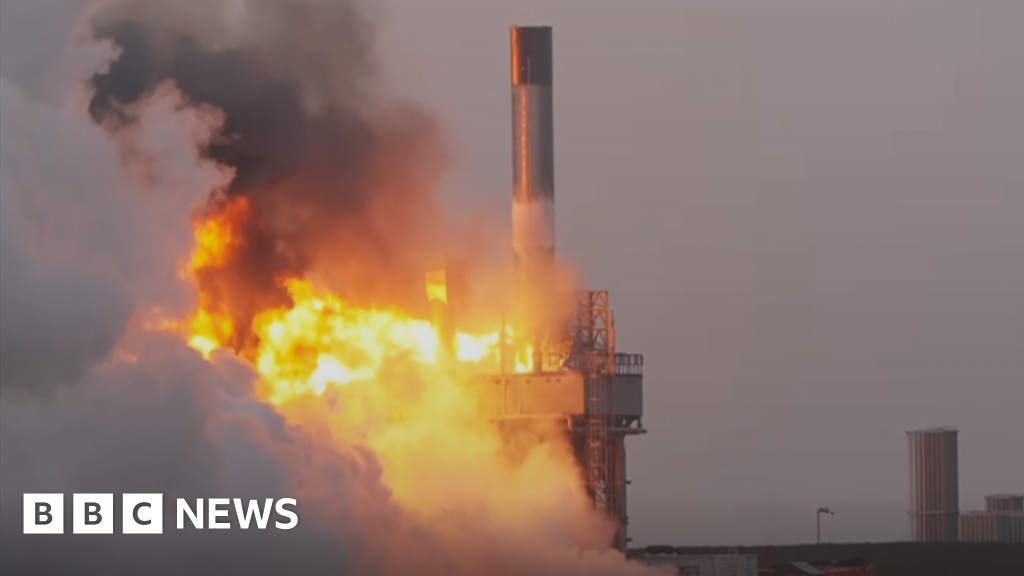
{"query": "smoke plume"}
pixel 327 178
pixel 267 112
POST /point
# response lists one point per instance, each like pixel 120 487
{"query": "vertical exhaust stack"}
pixel 533 193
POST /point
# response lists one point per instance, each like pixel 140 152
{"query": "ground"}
pixel 901 558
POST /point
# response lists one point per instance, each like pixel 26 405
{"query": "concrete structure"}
pixel 1001 521
pixel 1017 527
pixel 699 564
pixel 935 501
pixel 1004 503
pixel 992 527
pixel 934 485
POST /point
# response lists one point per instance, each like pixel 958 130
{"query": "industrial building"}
pixel 986 526
pixel 730 564
pixel 935 500
pixel 577 380
pixel 1004 503
pixel 934 485
pixel 1001 521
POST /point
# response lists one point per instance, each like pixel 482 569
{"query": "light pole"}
pixel 820 512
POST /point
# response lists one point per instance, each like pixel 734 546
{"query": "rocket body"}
pixel 533 152
pixel 533 190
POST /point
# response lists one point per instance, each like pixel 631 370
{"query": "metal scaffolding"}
pixel 594 356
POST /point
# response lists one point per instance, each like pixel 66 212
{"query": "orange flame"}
pixel 321 341
pixel 384 377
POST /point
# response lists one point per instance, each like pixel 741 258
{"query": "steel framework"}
pixel 594 355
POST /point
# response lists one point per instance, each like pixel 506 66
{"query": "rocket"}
pixel 533 175
pixel 533 153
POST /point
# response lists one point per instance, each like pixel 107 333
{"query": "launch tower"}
pixel 578 375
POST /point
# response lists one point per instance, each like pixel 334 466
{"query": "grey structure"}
pixel 533 127
pixel 732 564
pixel 934 485
pixel 533 168
pixel 1004 503
pixel 1001 521
pixel 992 527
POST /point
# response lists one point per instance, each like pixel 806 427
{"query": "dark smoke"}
pixel 330 177
pixel 93 401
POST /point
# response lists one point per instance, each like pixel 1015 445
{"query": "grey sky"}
pixel 810 215
pixel 811 218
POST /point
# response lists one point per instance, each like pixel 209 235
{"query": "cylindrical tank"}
pixel 533 149
pixel 934 485
pixel 533 181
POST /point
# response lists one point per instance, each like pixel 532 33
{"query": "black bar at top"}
pixel 531 55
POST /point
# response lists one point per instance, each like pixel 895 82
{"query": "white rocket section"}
pixel 533 224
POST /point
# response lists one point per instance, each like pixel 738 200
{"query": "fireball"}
pixel 377 375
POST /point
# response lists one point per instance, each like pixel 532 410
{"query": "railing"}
pixel 629 364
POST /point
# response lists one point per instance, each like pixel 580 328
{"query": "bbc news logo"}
pixel 143 513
